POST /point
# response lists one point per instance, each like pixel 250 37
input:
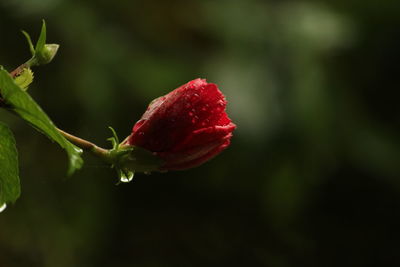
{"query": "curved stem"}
pixel 86 145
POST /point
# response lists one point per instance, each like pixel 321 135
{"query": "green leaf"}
pixel 9 180
pixel 22 104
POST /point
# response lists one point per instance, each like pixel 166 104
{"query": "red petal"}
pixel 185 127
pixel 170 118
pixel 190 163
pixel 204 136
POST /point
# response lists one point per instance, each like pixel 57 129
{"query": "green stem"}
pixel 86 145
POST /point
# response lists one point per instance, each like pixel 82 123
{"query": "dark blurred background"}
pixel 312 175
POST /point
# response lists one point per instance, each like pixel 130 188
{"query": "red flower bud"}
pixel 186 127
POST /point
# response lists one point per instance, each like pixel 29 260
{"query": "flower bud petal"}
pixel 186 127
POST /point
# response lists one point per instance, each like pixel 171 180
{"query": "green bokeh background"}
pixel 312 177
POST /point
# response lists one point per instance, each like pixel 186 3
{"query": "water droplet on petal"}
pixel 221 106
pixel 204 109
pixel 194 97
pixel 191 114
pixel 3 207
pixel 126 177
pixel 141 133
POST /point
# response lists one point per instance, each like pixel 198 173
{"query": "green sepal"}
pixel 42 38
pixel 135 159
pixel 114 139
pixel 29 40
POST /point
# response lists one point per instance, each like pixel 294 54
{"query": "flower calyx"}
pixel 127 160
